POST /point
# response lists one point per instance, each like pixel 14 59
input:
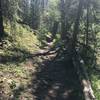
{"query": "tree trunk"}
pixel 76 25
pixel 54 29
pixel 1 23
pixel 87 24
pixel 63 21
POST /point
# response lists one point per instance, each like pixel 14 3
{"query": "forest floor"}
pixel 23 77
pixel 40 81
pixel 57 81
pixel 35 78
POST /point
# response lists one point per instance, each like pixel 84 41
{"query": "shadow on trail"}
pixel 56 81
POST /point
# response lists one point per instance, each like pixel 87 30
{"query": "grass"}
pixel 96 85
pixel 94 75
pixel 95 80
pixel 15 66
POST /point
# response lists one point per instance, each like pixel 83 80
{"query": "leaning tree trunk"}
pixel 1 23
pixel 83 77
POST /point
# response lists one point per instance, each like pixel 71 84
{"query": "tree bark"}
pixel 63 21
pixel 1 23
pixel 54 29
pixel 76 25
pixel 87 24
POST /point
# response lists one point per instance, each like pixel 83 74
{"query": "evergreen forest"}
pixel 49 49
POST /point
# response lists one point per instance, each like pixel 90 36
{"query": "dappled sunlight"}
pixel 14 81
pixel 49 50
pixel 55 81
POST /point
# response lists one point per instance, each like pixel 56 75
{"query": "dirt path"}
pixel 49 81
pixel 56 81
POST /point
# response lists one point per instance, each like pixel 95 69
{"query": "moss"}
pixel 13 57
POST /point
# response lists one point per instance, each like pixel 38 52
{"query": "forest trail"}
pixel 57 81
pixel 49 80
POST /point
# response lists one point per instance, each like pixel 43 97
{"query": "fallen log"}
pixel 45 52
pixel 83 77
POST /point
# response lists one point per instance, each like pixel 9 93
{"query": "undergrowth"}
pixel 15 66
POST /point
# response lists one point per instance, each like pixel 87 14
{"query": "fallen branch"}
pixel 45 52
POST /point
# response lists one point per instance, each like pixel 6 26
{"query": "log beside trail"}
pixel 80 69
pixel 83 76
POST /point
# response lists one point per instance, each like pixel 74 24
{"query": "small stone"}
pixel 12 96
pixel 9 81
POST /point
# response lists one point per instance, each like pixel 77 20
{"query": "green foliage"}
pixel 10 8
pixel 95 80
pixel 29 23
